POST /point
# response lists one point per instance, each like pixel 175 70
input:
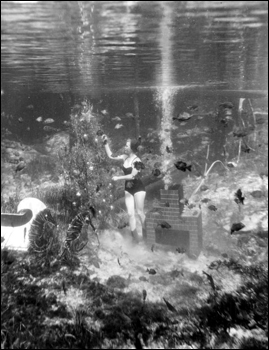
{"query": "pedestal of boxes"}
pixel 185 232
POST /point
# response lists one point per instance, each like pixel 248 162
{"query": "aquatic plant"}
pixel 41 165
pixel 10 205
pixel 61 199
pixel 69 309
pixel 206 172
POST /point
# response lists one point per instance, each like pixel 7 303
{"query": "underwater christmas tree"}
pixel 85 167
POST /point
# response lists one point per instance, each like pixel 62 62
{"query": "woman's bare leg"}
pixel 130 205
pixel 139 198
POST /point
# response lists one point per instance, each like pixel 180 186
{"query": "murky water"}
pixel 87 47
pixel 153 59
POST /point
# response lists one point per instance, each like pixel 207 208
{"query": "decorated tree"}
pixel 85 167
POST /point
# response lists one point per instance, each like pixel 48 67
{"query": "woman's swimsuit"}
pixel 135 185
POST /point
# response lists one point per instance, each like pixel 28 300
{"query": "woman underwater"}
pixel 135 192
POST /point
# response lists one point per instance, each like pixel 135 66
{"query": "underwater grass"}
pixel 64 307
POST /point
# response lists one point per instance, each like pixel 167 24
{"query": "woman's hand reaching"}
pixel 115 178
pixel 104 138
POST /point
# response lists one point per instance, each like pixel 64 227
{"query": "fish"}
pixel 164 224
pixel 212 207
pixel 151 271
pixel 48 121
pixel 183 123
pixel 20 119
pixel 193 107
pixel 50 129
pixel 168 149
pixel 242 132
pixel 122 225
pixel 152 247
pixel 191 206
pixel 237 227
pixel 99 185
pixel 205 200
pixel 167 204
pixel 224 121
pixel 215 265
pixel 100 133
pixel 118 126
pixel 245 149
pixel 257 194
pixel 180 165
pixel 182 117
pixel 129 115
pixel 184 201
pixel 20 166
pixel 104 112
pixel 181 250
pixel 144 294
pixel 204 188
pixel 30 107
pixel 139 165
pixel 156 172
pixel 64 287
pixel 169 306
pixel 176 273
pixel 228 105
pixel 231 165
pixel 211 281
pixel 263 174
pixel 143 279
pixel 39 119
pixel 239 197
pixel 260 121
pixel 116 118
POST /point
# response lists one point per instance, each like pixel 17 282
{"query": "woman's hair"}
pixel 134 144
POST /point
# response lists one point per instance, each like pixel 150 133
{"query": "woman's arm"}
pixel 108 150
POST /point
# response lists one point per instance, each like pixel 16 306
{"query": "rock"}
pixel 257 194
pixel 55 143
pixel 116 281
